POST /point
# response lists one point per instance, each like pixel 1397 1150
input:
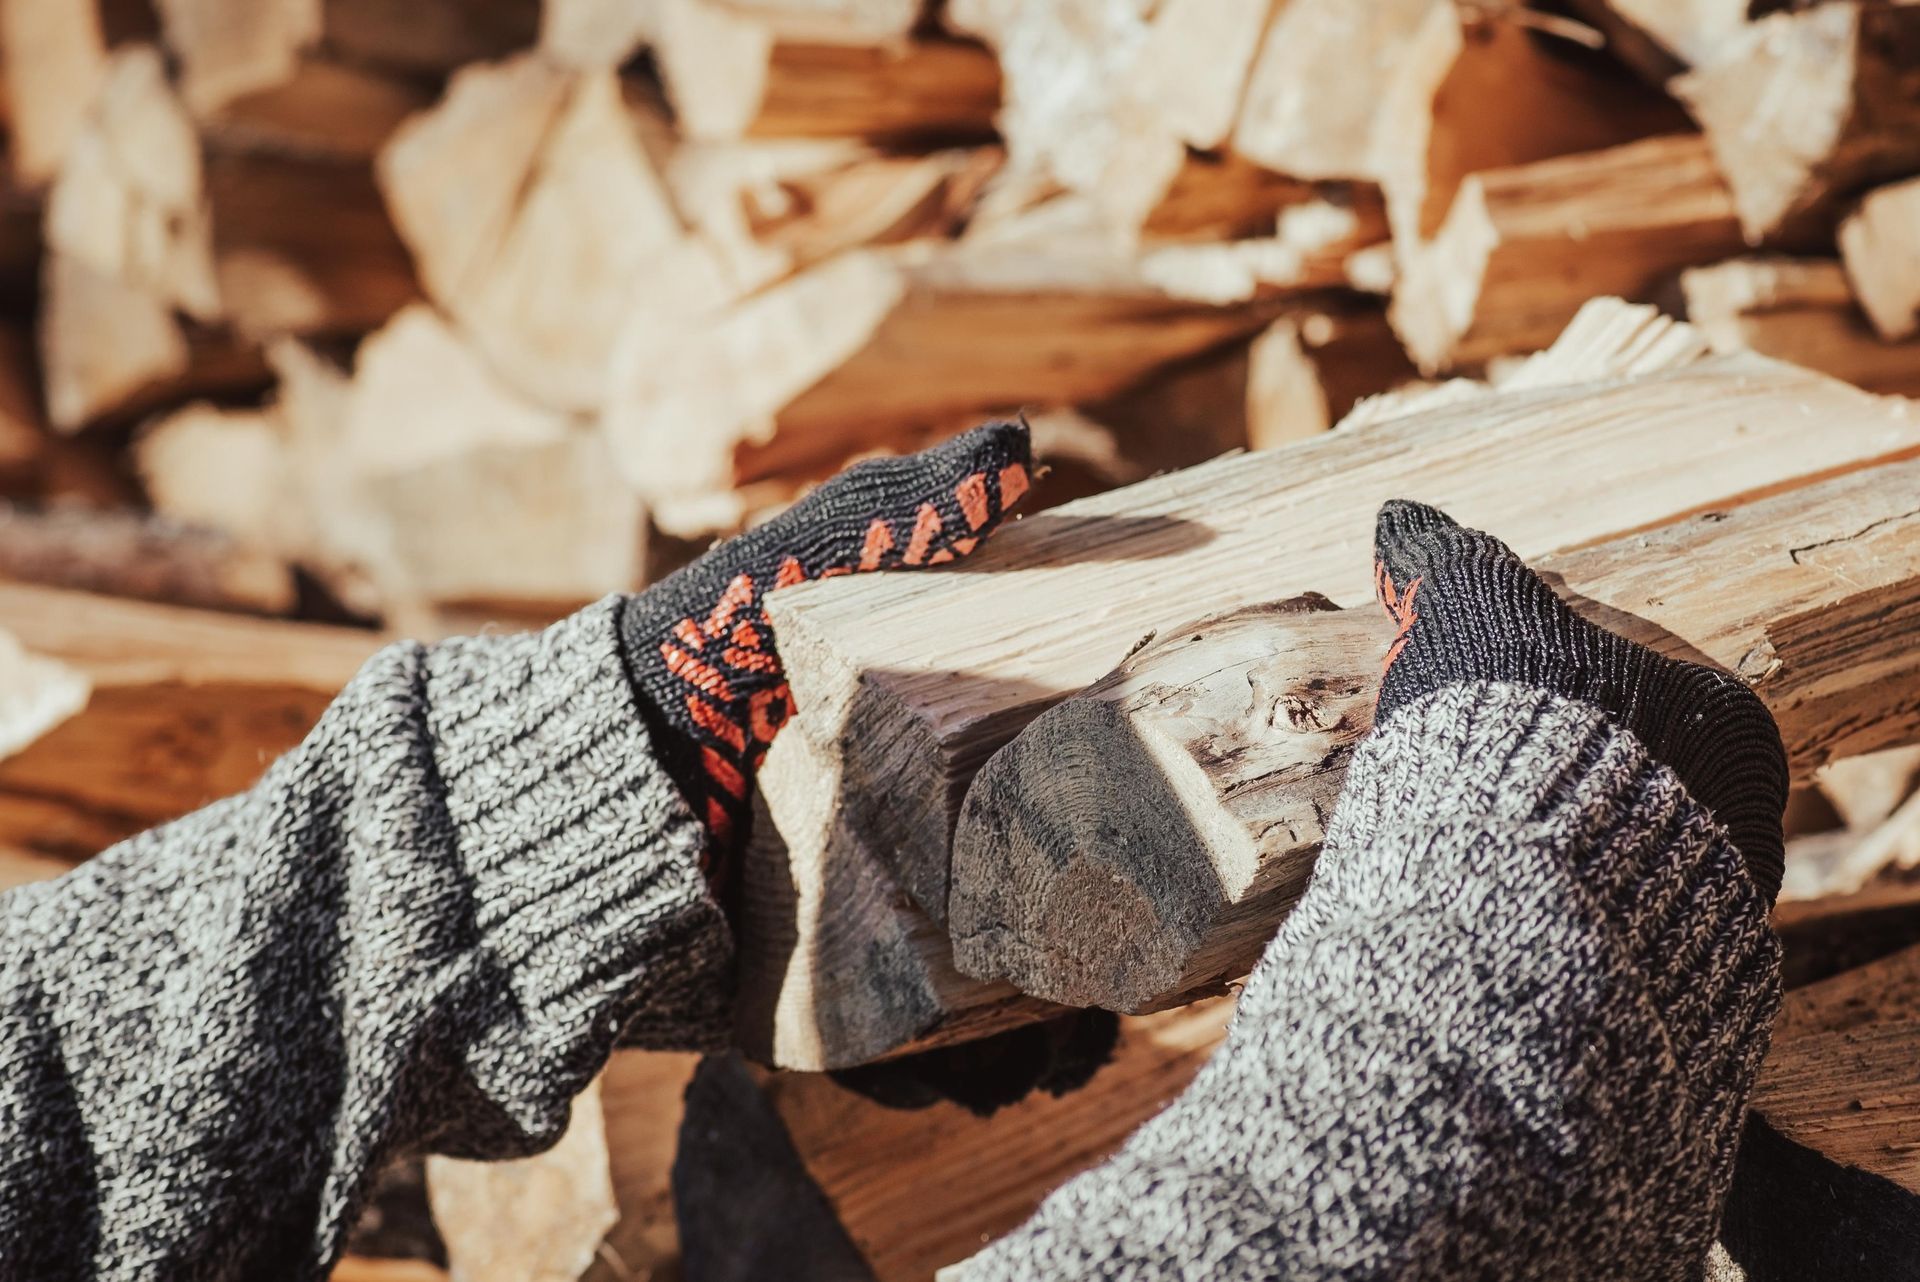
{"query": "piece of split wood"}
pixel 877 664
pixel 1799 310
pixel 1804 106
pixel 1880 245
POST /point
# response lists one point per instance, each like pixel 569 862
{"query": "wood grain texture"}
pixel 1880 245
pixel 837 966
pixel 1840 1078
pixel 1522 248
pixel 1143 839
pixel 1804 106
pixel 1798 310
pixel 910 683
pixel 188 706
pixel 924 1189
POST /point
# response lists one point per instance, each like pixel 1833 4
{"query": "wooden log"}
pixel 538 221
pixel 1839 1078
pixel 1846 865
pixel 1491 91
pixel 534 1217
pixel 837 967
pixel 127 203
pixel 1659 38
pixel 271 481
pixel 1101 99
pixel 904 344
pixel 1357 68
pixel 112 352
pixel 1310 369
pixel 1522 248
pixel 1880 245
pixel 56 55
pixel 56 60
pixel 732 73
pixel 129 285
pixel 487 498
pixel 232 49
pixel 133 554
pixel 1194 833
pixel 281 269
pixel 875 664
pixel 1864 791
pixel 1803 107
pixel 1799 310
pixel 187 706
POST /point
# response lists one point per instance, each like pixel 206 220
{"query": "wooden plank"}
pixel 187 706
pixel 1180 821
pixel 1523 248
pixel 911 684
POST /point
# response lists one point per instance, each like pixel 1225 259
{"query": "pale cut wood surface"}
pixel 1494 93
pixel 837 966
pixel 1798 310
pixel 1840 1077
pixel 188 706
pixel 1523 248
pixel 535 1219
pixel 1143 839
pixel 56 56
pixel 1802 107
pixel 911 683
pixel 1880 244
pixel 598 1207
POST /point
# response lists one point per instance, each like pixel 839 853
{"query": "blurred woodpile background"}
pixel 323 321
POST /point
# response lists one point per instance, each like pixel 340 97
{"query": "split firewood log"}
pixel 1523 248
pixel 1803 107
pixel 232 49
pixel 538 220
pixel 135 554
pixel 872 662
pixel 1309 370
pixel 1839 1078
pixel 56 61
pixel 732 73
pixel 1799 310
pixel 186 707
pixel 1776 590
pixel 1880 245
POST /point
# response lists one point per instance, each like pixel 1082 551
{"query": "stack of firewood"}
pixel 323 321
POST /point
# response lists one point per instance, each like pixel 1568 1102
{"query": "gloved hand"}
pixel 701 649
